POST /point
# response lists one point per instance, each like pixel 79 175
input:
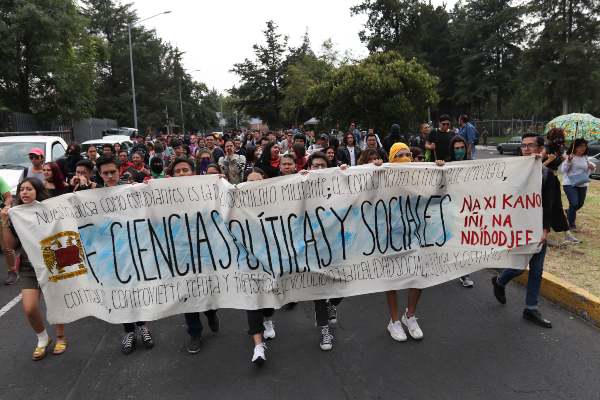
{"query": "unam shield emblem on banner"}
pixel 63 255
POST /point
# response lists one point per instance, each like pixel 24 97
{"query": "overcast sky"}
pixel 215 34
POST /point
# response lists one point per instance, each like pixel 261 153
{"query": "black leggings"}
pixel 321 315
pixel 256 318
pixel 130 326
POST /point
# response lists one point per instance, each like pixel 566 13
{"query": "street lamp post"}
pixel 129 25
pixel 181 101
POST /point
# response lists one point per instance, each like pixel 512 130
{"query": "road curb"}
pixel 569 296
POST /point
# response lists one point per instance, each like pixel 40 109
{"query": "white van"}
pixel 14 155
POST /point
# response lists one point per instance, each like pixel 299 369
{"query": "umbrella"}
pixel 576 126
pixel 312 121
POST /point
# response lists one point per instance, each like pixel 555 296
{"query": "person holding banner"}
pixel 109 172
pixel 29 191
pixel 400 153
pixel 325 310
pixel 553 217
pixel 459 151
pixel 185 167
pixel 260 322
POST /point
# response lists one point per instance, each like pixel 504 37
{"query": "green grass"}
pixel 580 264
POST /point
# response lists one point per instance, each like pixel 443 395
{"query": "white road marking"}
pixel 10 305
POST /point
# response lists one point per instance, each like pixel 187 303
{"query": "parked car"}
pixel 595 174
pixel 593 147
pixel 123 140
pixel 512 146
pixel 14 155
pixel 119 131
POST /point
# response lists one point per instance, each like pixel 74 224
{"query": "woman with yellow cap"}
pixel 400 153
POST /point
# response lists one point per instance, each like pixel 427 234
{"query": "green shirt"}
pixel 3 187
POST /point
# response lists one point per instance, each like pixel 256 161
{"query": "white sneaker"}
pixel 569 238
pixel 396 331
pixel 414 330
pixel 269 332
pixel 466 281
pixel 259 356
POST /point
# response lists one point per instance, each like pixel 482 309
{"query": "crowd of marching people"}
pixel 255 155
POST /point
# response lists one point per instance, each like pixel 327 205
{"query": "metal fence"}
pixel 22 124
pixel 509 127
pixel 91 128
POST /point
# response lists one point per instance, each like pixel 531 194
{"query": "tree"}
pixel 558 71
pixel 416 30
pixel 260 91
pixel 47 59
pixel 158 69
pixel 300 77
pixel 488 35
pixel 380 90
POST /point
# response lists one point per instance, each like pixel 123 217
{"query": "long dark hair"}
pixel 576 143
pixel 40 191
pixel 265 157
pixel 250 154
pixel 457 139
pixel 57 176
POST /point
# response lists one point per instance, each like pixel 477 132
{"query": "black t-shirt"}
pixel 442 144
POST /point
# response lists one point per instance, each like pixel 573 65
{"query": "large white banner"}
pixel 146 251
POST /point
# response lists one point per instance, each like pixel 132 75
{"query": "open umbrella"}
pixel 312 121
pixel 576 126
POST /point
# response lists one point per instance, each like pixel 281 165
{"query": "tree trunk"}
pixel 565 105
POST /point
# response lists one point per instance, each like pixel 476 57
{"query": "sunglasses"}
pixel 33 157
pixel 445 124
pixel 403 154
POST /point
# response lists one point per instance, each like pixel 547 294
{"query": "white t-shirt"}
pixel 352 155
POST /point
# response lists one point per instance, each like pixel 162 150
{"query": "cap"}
pixel 324 136
pixel 37 151
pixel 396 148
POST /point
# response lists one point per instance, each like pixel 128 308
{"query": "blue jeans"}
pixel 576 197
pixel 536 268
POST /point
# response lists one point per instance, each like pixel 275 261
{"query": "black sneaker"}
pixel 331 313
pixel 499 291
pixel 213 322
pixel 128 343
pixel 11 278
pixel 146 336
pixel 536 317
pixel 194 345
pixel 326 343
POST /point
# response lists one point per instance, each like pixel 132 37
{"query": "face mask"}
pixel 156 168
pixel 460 154
pixel 204 164
pixel 403 159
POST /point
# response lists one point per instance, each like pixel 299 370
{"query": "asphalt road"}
pixel 474 348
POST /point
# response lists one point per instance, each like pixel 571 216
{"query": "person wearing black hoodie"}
pixel 553 218
pixel 68 162
pixel 395 136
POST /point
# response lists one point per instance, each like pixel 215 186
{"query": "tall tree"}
pixel 414 29
pixel 488 35
pixel 559 67
pixel 300 77
pixel 260 91
pixel 47 59
pixel 158 69
pixel 380 90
